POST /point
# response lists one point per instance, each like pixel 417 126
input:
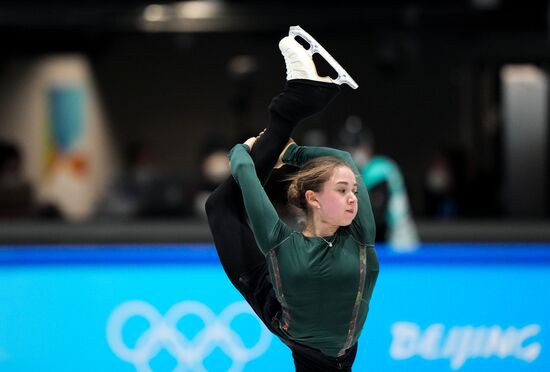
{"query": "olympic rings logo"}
pixel 189 353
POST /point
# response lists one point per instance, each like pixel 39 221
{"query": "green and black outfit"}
pixel 315 297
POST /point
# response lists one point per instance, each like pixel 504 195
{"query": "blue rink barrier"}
pixel 445 307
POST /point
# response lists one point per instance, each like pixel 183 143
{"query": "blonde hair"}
pixel 312 176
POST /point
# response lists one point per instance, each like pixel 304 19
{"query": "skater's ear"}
pixel 311 199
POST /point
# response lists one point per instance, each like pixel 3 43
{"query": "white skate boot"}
pixel 299 62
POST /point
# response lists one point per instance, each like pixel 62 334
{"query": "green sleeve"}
pixel 264 221
pixel 363 227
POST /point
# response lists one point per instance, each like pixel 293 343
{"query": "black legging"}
pixel 225 209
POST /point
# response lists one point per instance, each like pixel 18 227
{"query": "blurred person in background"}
pixel 439 187
pixel 16 192
pixel 384 181
pixel 143 189
pixel 214 169
pixel 284 274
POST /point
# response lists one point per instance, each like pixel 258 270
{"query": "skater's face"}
pixel 336 202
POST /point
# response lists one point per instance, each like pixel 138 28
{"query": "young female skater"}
pixel 311 288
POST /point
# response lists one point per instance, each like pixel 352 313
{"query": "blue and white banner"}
pixel 163 308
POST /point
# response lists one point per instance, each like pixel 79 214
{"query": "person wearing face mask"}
pixel 310 287
pixel 214 169
pixel 439 187
pixel 384 180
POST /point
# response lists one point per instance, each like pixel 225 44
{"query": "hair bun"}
pixel 294 193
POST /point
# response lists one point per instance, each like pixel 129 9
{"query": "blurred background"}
pixel 110 110
pixel 116 117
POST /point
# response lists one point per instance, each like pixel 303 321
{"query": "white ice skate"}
pixel 299 62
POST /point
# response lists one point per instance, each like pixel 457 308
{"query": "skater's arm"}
pixel 263 217
pixel 297 156
pixel 363 226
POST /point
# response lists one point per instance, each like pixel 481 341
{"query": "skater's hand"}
pixel 250 142
pixel 280 163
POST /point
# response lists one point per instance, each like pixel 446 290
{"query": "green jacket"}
pixel 324 291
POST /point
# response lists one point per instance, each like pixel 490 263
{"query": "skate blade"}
pixel 315 47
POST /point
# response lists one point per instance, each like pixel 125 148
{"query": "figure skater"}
pixel 311 288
